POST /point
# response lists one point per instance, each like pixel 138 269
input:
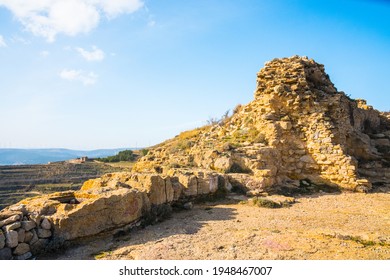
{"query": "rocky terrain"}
pixel 299 127
pixel 337 226
pixel 299 149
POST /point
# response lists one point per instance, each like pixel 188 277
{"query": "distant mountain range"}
pixel 42 156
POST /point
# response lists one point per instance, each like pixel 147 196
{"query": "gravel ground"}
pixel 324 226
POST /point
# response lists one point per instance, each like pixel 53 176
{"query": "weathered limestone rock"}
pixel 10 220
pixel 45 224
pixel 11 239
pixel 18 208
pixel 12 226
pixel 34 237
pixel 100 209
pixel 21 249
pixel 21 235
pixel 190 184
pixel 28 225
pixel 223 164
pixel 28 236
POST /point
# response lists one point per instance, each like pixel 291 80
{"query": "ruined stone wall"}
pixel 298 127
pixel 22 233
pixel 110 202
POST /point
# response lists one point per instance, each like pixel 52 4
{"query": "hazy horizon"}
pixel 133 73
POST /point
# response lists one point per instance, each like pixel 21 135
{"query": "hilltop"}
pixel 299 139
pixel 298 130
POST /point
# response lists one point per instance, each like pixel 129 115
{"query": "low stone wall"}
pixel 22 233
pixel 112 201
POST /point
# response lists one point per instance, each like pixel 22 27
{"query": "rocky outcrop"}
pixel 299 127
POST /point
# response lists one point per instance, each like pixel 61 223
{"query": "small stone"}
pixel 12 226
pixel 35 218
pixel 20 208
pixel 10 220
pixel 28 225
pixel 188 205
pixel 28 236
pixel 2 239
pixel 307 159
pixel 22 249
pixel 21 235
pixel 23 257
pixel 44 233
pixel 5 254
pixel 35 237
pixel 11 239
pixel 45 224
pixel 285 125
pixel 39 246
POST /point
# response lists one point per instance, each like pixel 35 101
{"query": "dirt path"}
pixel 328 226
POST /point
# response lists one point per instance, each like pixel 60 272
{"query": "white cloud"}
pixel 89 78
pixel 2 42
pixel 47 18
pixel 94 55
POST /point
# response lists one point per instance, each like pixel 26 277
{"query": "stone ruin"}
pixel 298 132
pixel 114 201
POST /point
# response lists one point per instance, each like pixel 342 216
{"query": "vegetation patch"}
pixel 271 201
pixel 127 155
pixel 356 239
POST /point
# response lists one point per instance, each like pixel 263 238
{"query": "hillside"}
pixel 311 165
pixel 43 156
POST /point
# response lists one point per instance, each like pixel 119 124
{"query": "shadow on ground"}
pixel 186 222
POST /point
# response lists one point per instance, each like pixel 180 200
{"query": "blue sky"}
pixel 87 74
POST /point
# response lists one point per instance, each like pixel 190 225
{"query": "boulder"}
pixel 100 209
pixel 189 183
pixel 223 164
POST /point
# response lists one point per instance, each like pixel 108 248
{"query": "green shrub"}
pixel 144 152
pixel 126 155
